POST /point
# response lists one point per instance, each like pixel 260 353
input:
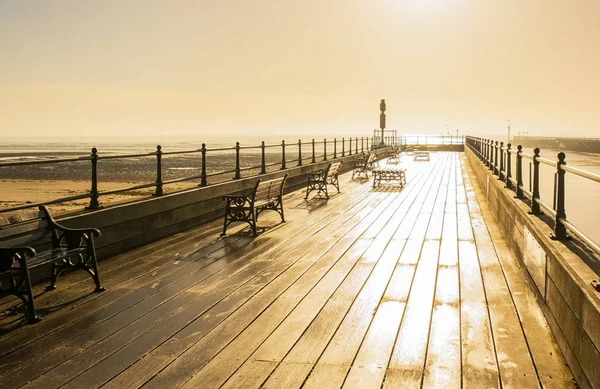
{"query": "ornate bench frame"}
pixel 71 248
pixel 266 196
pixel 320 179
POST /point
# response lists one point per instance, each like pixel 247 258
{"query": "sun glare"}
pixel 424 5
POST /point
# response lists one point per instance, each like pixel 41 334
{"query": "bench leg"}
pixel 92 269
pixel 27 296
pixel 18 283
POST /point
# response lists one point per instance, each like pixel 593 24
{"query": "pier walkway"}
pixel 378 287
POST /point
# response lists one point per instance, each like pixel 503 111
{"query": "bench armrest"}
pixel 69 237
pixel 316 173
pixel 9 254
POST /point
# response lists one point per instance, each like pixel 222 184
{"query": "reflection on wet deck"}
pixel 385 287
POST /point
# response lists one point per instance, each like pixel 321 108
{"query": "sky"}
pixel 144 68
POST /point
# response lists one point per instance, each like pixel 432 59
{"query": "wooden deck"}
pixel 384 287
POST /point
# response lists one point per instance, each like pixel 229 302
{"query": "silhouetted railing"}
pixel 272 156
pixel 498 158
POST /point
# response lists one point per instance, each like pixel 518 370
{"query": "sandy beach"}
pixel 22 192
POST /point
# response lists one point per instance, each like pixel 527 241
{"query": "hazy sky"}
pixel 133 67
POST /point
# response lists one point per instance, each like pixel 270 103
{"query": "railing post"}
pixel 313 151
pixel 560 232
pixel 519 172
pixel 492 155
pixel 481 151
pixel 535 194
pixel 203 181
pixel 343 147
pixel 94 203
pixel 299 152
pixel 159 184
pixel 509 183
pixel 496 158
pixel 283 155
pixel 500 172
pixel 334 148
pixel 325 149
pixel 368 143
pixel 362 144
pixel 485 152
pixel 263 162
pixel 237 161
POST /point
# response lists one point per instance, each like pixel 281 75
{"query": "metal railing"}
pixel 497 157
pixel 429 139
pixel 272 156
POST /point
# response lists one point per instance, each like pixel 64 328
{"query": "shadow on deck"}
pixel 392 288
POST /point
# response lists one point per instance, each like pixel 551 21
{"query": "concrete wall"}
pixel 559 272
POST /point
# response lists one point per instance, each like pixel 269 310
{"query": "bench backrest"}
pixel 372 158
pixel 29 229
pixel 268 191
pixel 334 169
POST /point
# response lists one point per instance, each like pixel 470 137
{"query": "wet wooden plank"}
pixel 203 351
pixel 408 357
pixel 515 363
pixel 232 326
pixel 280 341
pixel 99 372
pixel 549 363
pixel 314 340
pixel 95 333
pixel 479 365
pixel 217 314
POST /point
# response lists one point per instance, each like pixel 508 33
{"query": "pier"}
pixel 376 287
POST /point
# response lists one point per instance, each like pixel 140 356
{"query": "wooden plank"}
pixel 443 361
pixel 408 357
pixel 549 362
pixel 219 369
pixel 514 359
pixel 416 235
pixel 185 341
pixel 370 365
pixel 479 365
pixel 294 369
pixel 202 352
pixel 279 342
pixel 249 257
pixel 374 218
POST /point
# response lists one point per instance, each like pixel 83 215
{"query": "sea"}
pixel 582 200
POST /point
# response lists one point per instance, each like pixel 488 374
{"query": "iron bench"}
pixel 266 196
pixel 389 174
pixel 69 248
pixel 363 165
pixel 320 179
pixel 394 157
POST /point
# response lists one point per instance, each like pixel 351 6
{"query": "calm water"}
pixel 582 204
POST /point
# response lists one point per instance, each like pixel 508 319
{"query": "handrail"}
pixel 581 173
pixel 314 151
pixel 484 150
